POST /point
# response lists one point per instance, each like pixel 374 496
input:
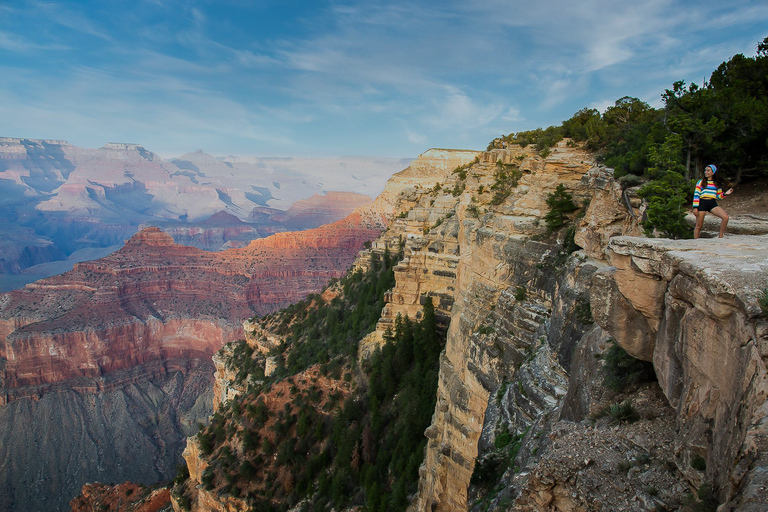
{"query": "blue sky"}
pixel 316 78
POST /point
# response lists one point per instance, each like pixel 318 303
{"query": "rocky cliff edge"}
pixel 692 308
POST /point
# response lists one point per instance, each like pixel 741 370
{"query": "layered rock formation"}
pixel 140 314
pixel 127 497
pixel 56 198
pixel 225 231
pixel 504 279
pixel 524 420
pixel 323 209
pixel 692 309
pixel 97 331
pixel 157 300
pixel 405 189
pixel 127 425
pixel 520 361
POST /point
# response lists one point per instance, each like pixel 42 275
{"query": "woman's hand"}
pixel 695 211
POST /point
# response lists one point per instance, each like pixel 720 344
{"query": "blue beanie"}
pixel 714 169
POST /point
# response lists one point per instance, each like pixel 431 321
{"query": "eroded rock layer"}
pixel 129 425
pixel 104 328
pixel 503 297
pixel 154 300
pixel 691 307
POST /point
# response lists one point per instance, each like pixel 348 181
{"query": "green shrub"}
pixel 521 294
pixel 458 189
pixel 503 439
pixel 698 463
pixel 506 177
pixel 182 473
pixel 704 501
pixel 560 204
pixel 207 479
pixel 569 242
pixel 630 180
pixel 667 199
pixel 489 469
pixel 763 300
pixel 620 413
pixel 486 329
pixel 184 502
pixel 462 170
pixel 583 312
pixel 622 371
pixel 624 466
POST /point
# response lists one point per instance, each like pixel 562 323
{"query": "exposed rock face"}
pixel 21 249
pixel 521 350
pixel 691 307
pixel 530 326
pixel 497 258
pixel 225 231
pixel 323 209
pixel 128 425
pixel 57 198
pixel 150 303
pixel 221 231
pixel 156 300
pixel 611 212
pixel 402 192
pixel 127 497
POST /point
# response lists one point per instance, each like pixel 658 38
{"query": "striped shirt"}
pixel 711 191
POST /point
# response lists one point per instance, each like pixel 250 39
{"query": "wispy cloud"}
pixel 16 43
pixel 263 76
pixel 69 18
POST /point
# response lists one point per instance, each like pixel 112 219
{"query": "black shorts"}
pixel 706 205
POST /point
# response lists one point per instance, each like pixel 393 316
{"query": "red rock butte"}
pixel 154 300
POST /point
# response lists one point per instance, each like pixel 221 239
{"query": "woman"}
pixel 708 191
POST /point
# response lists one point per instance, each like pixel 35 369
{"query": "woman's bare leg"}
pixel 719 212
pixel 699 223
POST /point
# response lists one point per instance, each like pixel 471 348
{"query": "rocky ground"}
pixel 127 497
pixel 607 464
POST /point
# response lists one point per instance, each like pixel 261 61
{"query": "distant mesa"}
pixel 129 147
pixel 151 236
pixel 222 219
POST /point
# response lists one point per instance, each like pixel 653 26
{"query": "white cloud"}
pixel 69 18
pixel 512 115
pixel 446 70
pixel 417 138
pixel 15 43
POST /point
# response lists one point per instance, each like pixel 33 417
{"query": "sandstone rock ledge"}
pixel 691 307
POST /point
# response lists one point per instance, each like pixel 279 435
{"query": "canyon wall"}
pixel 525 417
pixel 530 326
pixel 72 344
pixel 691 307
pixel 74 347
pixel 128 425
pixel 57 199
pixel 404 190
pixel 503 253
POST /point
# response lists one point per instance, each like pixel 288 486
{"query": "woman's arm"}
pixel 696 194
